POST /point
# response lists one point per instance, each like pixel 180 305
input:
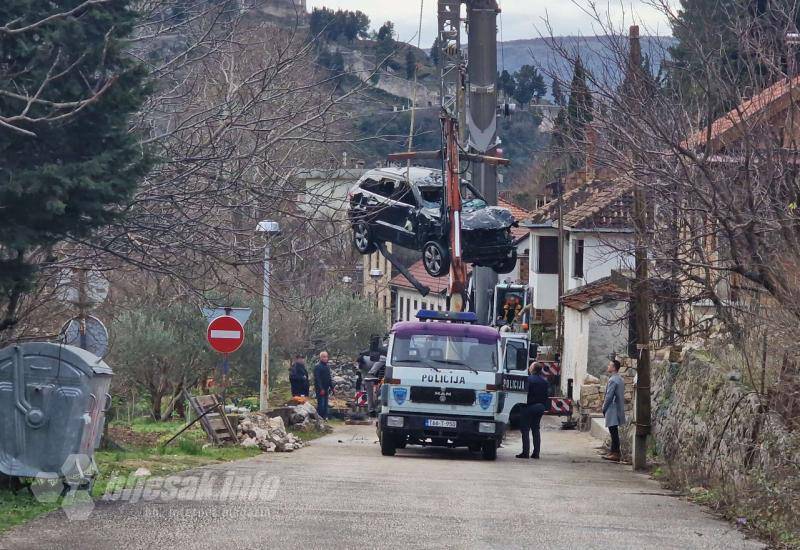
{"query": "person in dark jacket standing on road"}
pixel 323 384
pixel 538 403
pixel 298 376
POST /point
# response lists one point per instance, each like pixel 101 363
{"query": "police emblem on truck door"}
pixel 485 400
pixel 400 395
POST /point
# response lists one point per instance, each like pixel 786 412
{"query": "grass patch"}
pixel 185 453
pixel 18 507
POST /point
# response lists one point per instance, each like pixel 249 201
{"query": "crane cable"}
pixel 414 96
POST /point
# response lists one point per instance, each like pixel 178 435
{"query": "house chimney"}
pixel 635 55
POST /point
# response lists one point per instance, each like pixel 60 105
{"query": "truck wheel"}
pixel 387 445
pixel 489 450
pixel 436 259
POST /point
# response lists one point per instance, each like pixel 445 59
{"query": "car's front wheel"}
pixel 436 259
pixel 362 238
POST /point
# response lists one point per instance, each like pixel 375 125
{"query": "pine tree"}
pixel 436 52
pixel 75 174
pixel 728 48
pixel 580 105
pixel 529 84
pixel 558 93
pixel 411 63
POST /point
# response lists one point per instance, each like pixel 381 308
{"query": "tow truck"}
pixel 442 386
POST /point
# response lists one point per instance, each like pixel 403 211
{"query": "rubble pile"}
pixel 269 434
pixel 304 418
pixel 344 375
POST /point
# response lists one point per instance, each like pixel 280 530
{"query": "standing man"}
pixel 614 408
pixel 323 384
pixel 538 403
pixel 298 376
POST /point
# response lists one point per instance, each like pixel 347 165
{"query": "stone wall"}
pixel 713 431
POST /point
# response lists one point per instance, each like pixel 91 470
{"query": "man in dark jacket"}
pixel 323 384
pixel 538 403
pixel 298 376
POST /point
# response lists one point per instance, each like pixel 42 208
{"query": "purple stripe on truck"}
pixel 485 335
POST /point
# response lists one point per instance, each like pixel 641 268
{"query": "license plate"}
pixel 434 423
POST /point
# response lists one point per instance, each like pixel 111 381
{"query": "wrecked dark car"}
pixel 404 206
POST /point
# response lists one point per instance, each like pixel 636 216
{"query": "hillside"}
pixel 599 54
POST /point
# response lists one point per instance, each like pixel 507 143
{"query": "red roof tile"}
pixel 436 284
pixel 598 292
pixel 728 128
pixel 598 204
pixel 519 214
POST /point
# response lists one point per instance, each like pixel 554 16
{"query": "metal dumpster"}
pixel 53 400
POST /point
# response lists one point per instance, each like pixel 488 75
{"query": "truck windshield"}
pixel 444 352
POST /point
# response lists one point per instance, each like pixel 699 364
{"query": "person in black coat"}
pixel 298 376
pixel 323 384
pixel 538 403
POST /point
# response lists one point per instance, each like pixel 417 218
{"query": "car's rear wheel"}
pixel 436 259
pixel 507 265
pixel 362 238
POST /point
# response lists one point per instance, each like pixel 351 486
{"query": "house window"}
pixel 400 309
pixel 424 305
pixel 416 309
pixel 524 267
pixel 548 255
pixel 577 259
pixel 408 309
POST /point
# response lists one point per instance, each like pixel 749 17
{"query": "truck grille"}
pixel 452 396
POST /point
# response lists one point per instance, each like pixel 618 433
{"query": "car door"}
pixel 402 214
pixel 372 205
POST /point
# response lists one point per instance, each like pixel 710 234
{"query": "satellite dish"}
pixel 87 333
pixel 95 286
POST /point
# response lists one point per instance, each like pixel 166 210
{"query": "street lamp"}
pixel 269 229
pixel 375 275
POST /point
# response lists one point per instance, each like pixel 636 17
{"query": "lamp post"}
pixel 268 228
pixel 375 275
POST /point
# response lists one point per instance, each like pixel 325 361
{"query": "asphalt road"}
pixel 341 493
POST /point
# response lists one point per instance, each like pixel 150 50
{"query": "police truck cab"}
pixel 441 385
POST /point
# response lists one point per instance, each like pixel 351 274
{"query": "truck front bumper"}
pixel 468 429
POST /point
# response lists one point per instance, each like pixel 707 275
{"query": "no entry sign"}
pixel 225 334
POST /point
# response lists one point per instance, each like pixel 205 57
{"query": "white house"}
pixel 596 328
pixel 598 238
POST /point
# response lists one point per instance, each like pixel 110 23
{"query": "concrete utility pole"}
pixel 482 121
pixel 641 293
pixel 269 228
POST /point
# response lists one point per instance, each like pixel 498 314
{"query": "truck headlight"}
pixel 397 422
pixel 485 427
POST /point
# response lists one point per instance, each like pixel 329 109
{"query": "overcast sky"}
pixel 520 19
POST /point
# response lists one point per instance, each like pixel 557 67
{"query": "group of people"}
pixel 323 381
pixel 539 401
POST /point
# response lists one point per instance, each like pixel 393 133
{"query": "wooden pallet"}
pixel 214 421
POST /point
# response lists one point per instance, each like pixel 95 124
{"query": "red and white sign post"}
pixel 225 334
